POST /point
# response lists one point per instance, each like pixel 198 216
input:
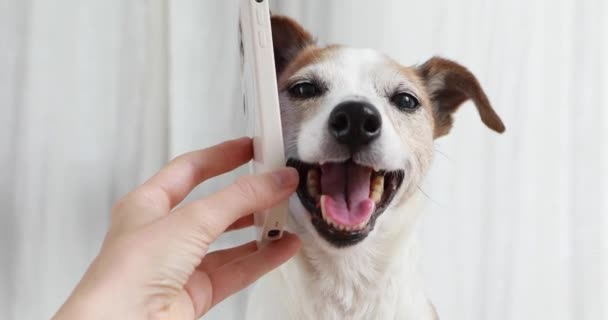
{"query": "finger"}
pixel 239 274
pixel 236 275
pixel 219 258
pixel 211 216
pixel 244 222
pixel 173 183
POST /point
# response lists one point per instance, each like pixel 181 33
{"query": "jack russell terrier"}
pixel 359 127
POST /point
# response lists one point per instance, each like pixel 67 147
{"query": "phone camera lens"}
pixel 273 233
pixel 259 1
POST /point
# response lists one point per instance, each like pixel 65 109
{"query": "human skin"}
pixel 154 262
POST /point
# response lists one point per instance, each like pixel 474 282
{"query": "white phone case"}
pixel 261 106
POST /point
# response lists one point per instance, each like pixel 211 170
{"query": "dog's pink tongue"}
pixel 346 187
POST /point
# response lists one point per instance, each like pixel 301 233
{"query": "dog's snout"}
pixel 355 123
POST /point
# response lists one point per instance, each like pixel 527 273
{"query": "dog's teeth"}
pixel 322 202
pixel 312 183
pixel 376 196
pixel 323 214
pixel 378 181
pixel 313 191
pixel 334 224
pixel 377 188
pixel 313 175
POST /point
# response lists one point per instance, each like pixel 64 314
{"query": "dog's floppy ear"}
pixel 449 84
pixel 288 38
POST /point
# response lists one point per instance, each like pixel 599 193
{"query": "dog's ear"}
pixel 449 84
pixel 288 38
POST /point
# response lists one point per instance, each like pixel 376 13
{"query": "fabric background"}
pixel 95 96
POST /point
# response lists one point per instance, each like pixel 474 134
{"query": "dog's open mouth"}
pixel 345 199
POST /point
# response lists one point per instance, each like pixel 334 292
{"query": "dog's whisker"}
pixel 292 142
pixel 428 197
pixel 442 153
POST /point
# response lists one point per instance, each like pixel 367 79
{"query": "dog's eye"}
pixel 405 101
pixel 304 90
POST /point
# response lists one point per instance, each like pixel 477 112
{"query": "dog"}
pixel 359 128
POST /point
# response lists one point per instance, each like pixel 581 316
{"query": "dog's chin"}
pixel 345 199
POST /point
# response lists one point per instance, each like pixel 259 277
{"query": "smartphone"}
pixel 261 106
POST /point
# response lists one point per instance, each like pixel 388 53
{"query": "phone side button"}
pixel 262 38
pixel 260 15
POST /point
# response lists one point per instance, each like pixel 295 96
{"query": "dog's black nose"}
pixel 355 123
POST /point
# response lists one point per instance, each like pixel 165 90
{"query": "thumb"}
pixel 213 215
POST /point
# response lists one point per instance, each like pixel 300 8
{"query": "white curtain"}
pixel 96 95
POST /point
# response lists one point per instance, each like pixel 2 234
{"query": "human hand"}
pixel 154 263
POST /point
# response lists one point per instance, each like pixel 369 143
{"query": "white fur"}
pixel 376 278
pixel 355 75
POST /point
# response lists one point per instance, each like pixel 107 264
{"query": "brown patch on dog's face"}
pixel 294 48
pixel 288 39
pixel 411 73
pixel 307 56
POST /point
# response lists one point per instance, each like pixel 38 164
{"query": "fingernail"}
pixel 243 140
pixel 286 177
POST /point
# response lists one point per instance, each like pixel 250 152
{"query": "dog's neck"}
pixel 359 280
